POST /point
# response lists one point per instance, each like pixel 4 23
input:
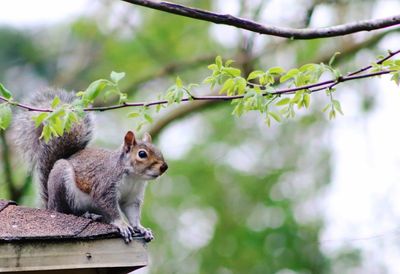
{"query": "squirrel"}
pixel 90 182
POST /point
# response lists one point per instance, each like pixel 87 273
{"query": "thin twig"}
pixel 320 86
pixel 227 19
pixel 186 109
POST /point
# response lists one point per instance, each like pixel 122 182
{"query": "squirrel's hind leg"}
pixel 57 187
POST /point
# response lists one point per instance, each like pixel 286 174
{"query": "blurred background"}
pixel 306 196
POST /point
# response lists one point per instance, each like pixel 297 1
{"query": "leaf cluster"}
pixel 255 92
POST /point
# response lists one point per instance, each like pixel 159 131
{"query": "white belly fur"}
pixel 131 190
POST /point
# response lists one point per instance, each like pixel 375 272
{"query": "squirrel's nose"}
pixel 163 167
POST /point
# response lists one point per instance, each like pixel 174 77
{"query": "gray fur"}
pixel 42 156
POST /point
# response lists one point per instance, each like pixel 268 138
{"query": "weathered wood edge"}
pixel 55 255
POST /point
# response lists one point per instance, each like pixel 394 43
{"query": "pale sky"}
pixel 28 13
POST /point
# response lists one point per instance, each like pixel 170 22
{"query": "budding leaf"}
pixel 218 61
pixel 56 101
pixel 232 71
pixel 117 76
pixel 228 86
pixel 178 82
pixel 133 114
pixel 241 85
pixel 337 106
pixel 306 100
pixel 283 102
pixel 333 58
pixel 5 116
pixel 46 133
pixel 94 90
pixel 275 115
pixel 148 118
pixel 290 74
pixel 396 78
pixel 58 126
pixel 38 119
pixel 5 92
pixel 332 114
pixel 255 74
pixel 276 70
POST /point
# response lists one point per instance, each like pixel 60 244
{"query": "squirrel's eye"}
pixel 142 154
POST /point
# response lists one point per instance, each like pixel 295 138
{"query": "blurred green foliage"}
pixel 239 197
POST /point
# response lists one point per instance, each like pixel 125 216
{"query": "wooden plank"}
pixel 56 255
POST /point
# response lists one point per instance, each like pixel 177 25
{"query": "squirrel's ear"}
pixel 147 138
pixel 129 141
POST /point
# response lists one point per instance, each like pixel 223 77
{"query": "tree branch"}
pixel 227 19
pixel 317 86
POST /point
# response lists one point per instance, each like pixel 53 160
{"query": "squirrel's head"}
pixel 144 160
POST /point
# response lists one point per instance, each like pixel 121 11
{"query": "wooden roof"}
pixel 36 239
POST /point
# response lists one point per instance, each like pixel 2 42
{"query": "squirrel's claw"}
pixel 145 232
pixel 125 230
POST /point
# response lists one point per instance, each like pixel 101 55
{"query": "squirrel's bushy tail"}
pixel 42 156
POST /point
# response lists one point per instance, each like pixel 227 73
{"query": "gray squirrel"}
pixel 90 182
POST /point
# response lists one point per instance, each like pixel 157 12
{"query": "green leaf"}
pixel 56 101
pixel 275 115
pixel 178 82
pixel 5 92
pixel 80 94
pixel 239 108
pixel 332 114
pixel 337 106
pixel 297 96
pixel 133 114
pixel 58 113
pixel 396 78
pixel 210 80
pixel 268 120
pixel 328 106
pixel 148 118
pixel 228 86
pixel 94 89
pixel 308 67
pixel 283 102
pixel 58 126
pixel 5 116
pixel 46 133
pixel 139 126
pixel 38 119
pixel 117 76
pixel 306 100
pixel 218 61
pixel 241 84
pixel 234 72
pixel 333 58
pixel 123 97
pixel 229 62
pixel 212 67
pixel 255 74
pixel 290 74
pixel 70 118
pixel 276 70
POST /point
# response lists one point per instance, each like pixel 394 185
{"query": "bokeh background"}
pixel 306 196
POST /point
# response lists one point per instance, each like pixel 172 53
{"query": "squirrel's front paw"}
pixel 145 232
pixel 124 229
